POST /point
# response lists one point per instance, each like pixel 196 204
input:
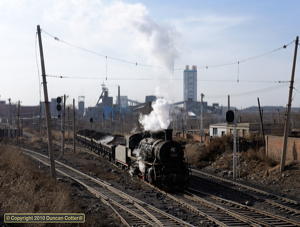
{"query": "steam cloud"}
pixel 157 41
pixel 138 153
pixel 159 118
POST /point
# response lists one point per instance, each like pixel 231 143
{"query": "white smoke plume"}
pixel 156 41
pixel 138 153
pixel 159 118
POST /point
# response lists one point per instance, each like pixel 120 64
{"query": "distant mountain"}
pixel 271 109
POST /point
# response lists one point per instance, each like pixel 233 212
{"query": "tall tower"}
pixel 81 105
pixel 190 84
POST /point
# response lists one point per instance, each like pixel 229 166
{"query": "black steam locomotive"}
pixel 153 156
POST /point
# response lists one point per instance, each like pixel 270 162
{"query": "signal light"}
pixel 91 120
pixel 58 106
pixel 58 100
pixel 229 116
pixel 58 116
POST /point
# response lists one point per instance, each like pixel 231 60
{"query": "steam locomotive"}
pixel 153 156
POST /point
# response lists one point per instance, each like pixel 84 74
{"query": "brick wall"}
pixel 274 146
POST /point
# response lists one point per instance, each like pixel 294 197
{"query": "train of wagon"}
pixel 153 156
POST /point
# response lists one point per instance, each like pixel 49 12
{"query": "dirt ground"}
pixel 253 167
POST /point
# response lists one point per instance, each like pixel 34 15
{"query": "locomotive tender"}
pixel 153 156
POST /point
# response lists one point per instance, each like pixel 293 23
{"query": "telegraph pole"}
pixel 63 128
pixel 74 136
pixel 50 142
pixel 68 124
pixel 228 108
pixel 9 118
pixel 261 121
pixel 18 122
pixel 287 119
pixel 234 145
pixel 201 124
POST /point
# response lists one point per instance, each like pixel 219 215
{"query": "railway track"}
pixel 257 216
pixel 228 213
pixel 225 213
pixel 132 212
pixel 291 207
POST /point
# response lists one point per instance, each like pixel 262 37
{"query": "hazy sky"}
pixel 166 35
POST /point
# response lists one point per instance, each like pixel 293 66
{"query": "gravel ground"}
pixel 261 176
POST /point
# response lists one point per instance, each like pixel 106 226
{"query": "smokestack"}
pixel 168 134
pixel 119 98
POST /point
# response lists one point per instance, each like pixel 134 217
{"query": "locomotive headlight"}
pixel 173 152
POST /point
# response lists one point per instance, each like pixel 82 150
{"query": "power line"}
pixel 139 64
pixel 101 55
pixel 247 59
pixel 178 79
pixel 277 87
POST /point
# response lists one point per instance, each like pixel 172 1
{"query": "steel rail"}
pixel 248 187
pixel 98 194
pixel 246 208
pixel 116 191
pixel 229 212
pixel 270 201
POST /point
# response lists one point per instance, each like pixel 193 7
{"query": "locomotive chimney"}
pixel 168 134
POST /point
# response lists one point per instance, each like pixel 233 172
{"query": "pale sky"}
pixel 166 35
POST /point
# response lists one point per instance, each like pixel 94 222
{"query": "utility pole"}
pixel 228 108
pixel 68 124
pixel 18 122
pixel 261 120
pixel 201 124
pixel 9 118
pixel 50 142
pixel 234 145
pixel 74 130
pixel 287 119
pixel 63 128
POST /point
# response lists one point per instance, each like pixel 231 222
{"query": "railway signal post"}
pixel 231 118
pixel 74 131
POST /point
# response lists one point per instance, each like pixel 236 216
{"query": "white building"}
pixel 123 101
pixel 190 83
pixel 218 130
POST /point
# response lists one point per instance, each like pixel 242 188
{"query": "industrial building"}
pixel 190 84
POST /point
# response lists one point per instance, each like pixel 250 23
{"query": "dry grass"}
pixel 254 161
pixel 25 189
pixel 216 147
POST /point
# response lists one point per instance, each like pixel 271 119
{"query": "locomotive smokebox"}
pixel 168 134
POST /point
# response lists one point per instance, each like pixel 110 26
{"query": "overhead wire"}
pixel 277 87
pixel 176 79
pixel 203 67
pixel 151 66
pixel 99 54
